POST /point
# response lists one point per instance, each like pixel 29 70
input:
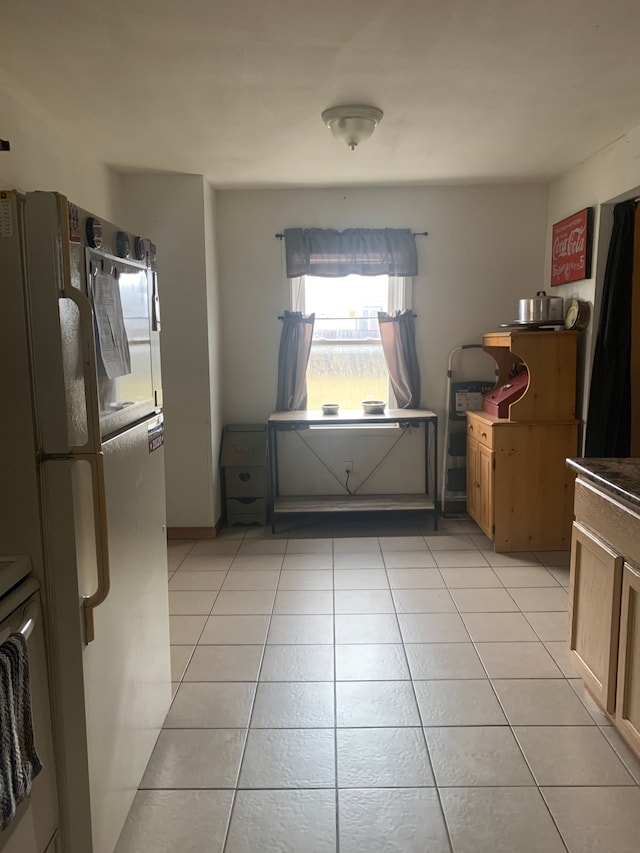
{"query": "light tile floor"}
pixel 378 687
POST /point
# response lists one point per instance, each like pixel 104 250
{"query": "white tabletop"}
pixel 350 416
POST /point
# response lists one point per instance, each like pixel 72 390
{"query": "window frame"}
pixel 400 292
pixel 399 297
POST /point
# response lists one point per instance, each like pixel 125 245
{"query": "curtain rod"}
pixel 415 234
pixel 281 317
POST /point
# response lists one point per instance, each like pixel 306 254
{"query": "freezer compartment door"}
pixel 91 333
pixel 121 294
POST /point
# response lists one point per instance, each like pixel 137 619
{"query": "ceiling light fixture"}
pixel 352 124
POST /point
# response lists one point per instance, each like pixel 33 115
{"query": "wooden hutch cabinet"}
pixel 519 490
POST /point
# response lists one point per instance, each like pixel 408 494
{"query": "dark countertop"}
pixel 619 477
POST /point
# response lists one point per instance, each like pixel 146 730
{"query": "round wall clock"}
pixel 577 315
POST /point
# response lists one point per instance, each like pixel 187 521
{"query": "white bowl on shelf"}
pixel 374 407
pixel 330 408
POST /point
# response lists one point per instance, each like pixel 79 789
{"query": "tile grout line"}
pixel 513 734
pixel 197 642
pixel 234 790
pixel 253 704
pixel 335 698
pixel 564 677
pixel 417 706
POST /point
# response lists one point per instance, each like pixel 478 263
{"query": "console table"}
pixel 404 418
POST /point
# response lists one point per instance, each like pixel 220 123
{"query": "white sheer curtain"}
pixel 398 336
pixel 295 346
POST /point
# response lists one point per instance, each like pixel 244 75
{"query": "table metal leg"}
pixel 272 446
pixel 431 426
pixel 436 511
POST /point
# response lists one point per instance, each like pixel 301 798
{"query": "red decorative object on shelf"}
pixel 497 402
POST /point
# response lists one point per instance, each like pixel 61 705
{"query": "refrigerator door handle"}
pixel 87 343
pixel 88 348
pixel 30 616
pixel 90 602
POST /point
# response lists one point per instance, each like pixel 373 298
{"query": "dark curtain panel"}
pixel 634 449
pixel 609 415
pixel 398 336
pixel 363 251
pixel 295 346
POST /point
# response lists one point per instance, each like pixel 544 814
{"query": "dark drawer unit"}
pixel 243 462
pixel 244 482
pixel 245 511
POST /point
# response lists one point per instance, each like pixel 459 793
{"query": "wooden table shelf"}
pixel 352 503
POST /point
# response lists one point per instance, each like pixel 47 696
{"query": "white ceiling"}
pixel 472 90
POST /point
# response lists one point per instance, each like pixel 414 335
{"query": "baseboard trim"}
pixel 191 532
pixel 455 507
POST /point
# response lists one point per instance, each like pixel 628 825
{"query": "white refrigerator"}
pixel 82 492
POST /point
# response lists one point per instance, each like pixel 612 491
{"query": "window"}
pixel 347 364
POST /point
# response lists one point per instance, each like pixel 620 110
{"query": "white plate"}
pixel 533 324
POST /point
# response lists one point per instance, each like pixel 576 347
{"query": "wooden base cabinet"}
pixel 628 695
pixel 480 462
pixel 594 615
pixel 519 490
pixel 604 604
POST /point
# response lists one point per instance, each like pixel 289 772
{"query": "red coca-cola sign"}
pixel 571 248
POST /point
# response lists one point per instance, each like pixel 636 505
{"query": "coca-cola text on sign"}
pixel 571 247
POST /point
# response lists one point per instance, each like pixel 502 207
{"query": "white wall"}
pixel 175 211
pixel 383 461
pixel 214 340
pixel 604 179
pixel 44 158
pixel 484 251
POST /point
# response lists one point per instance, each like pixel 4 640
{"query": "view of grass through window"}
pixel 346 364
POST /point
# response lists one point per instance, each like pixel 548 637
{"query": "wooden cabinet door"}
pixel 628 694
pixel 472 478
pixel 484 508
pixel 594 614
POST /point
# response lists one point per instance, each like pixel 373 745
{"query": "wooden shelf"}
pixel 351 503
pixel 550 358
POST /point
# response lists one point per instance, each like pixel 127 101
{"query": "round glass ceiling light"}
pixel 352 124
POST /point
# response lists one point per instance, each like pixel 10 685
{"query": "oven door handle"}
pixel 30 615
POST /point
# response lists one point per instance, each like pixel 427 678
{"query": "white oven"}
pixel 34 828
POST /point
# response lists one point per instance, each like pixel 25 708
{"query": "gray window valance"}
pixel 363 251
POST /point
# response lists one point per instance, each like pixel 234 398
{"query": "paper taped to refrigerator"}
pixel 113 346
